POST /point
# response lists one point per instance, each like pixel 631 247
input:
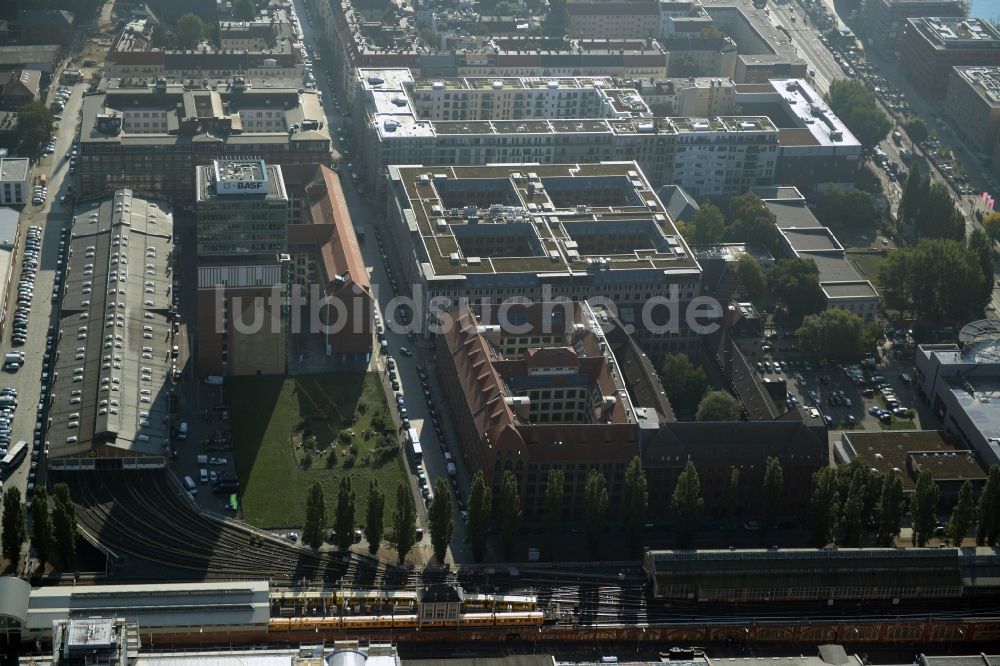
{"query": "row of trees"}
pixel 927 209
pixel 635 501
pixel 847 503
pixel 851 500
pixel 402 532
pixel 856 106
pixel 846 209
pixel 939 279
pixel 53 532
pixel 749 221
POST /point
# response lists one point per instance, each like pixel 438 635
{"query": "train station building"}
pixel 111 369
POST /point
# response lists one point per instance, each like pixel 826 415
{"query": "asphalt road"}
pixel 806 41
pixel 363 216
pixel 50 217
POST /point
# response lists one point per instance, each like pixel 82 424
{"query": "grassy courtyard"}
pixel 291 431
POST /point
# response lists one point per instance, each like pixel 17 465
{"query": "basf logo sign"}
pixel 246 177
pixel 242 187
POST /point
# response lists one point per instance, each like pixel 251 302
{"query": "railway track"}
pixel 142 516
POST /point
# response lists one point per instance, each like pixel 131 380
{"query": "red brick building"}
pixel 932 46
pixel 559 395
pixel 322 259
pixel 717 448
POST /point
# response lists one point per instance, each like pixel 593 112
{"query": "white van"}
pixel 182 430
pixel 189 485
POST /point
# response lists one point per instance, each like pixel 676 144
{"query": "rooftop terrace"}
pixel 540 219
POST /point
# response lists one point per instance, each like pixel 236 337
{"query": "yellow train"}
pixel 405 621
pixel 500 602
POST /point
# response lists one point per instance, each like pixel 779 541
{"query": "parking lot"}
pixel 858 396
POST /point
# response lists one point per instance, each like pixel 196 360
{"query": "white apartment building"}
pixel 14 180
pixel 713 156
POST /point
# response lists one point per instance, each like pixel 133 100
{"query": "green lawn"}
pixel 285 431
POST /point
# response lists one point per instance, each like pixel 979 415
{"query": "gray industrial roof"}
pixel 793 214
pixel 154 605
pixel 113 357
pixel 14 594
pixel 14 168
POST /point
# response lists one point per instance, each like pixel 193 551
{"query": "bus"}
pixel 13 458
pixel 418 452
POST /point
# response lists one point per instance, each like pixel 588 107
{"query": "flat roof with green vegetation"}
pixel 287 434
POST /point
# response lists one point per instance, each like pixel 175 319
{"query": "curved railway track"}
pixel 141 515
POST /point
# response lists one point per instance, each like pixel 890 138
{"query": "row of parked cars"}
pixel 8 405
pixel 39 193
pixel 26 286
pixel 61 97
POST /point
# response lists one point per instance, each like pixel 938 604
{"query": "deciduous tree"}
pixel 683 381
pixel 988 530
pixel 510 513
pixel 751 276
pixel 991 223
pixel 824 506
pixel 404 523
pixel 847 209
pixel 795 283
pixel 834 334
pixel 687 505
pixel 33 129
pixel 982 249
pixel 41 525
pixel 635 502
pixel 707 226
pixel 719 406
pixel 244 10
pixel 857 108
pixel 936 280
pixel 375 519
pixel 13 525
pixel 64 525
pixel 916 130
pixel 441 520
pixel 853 518
pixel 555 491
pixel 889 510
pixel 751 221
pixel 962 515
pixel 595 509
pixel 346 506
pixel 315 521
pixel 923 508
pixel 480 508
pixel 774 488
pixel 191 29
